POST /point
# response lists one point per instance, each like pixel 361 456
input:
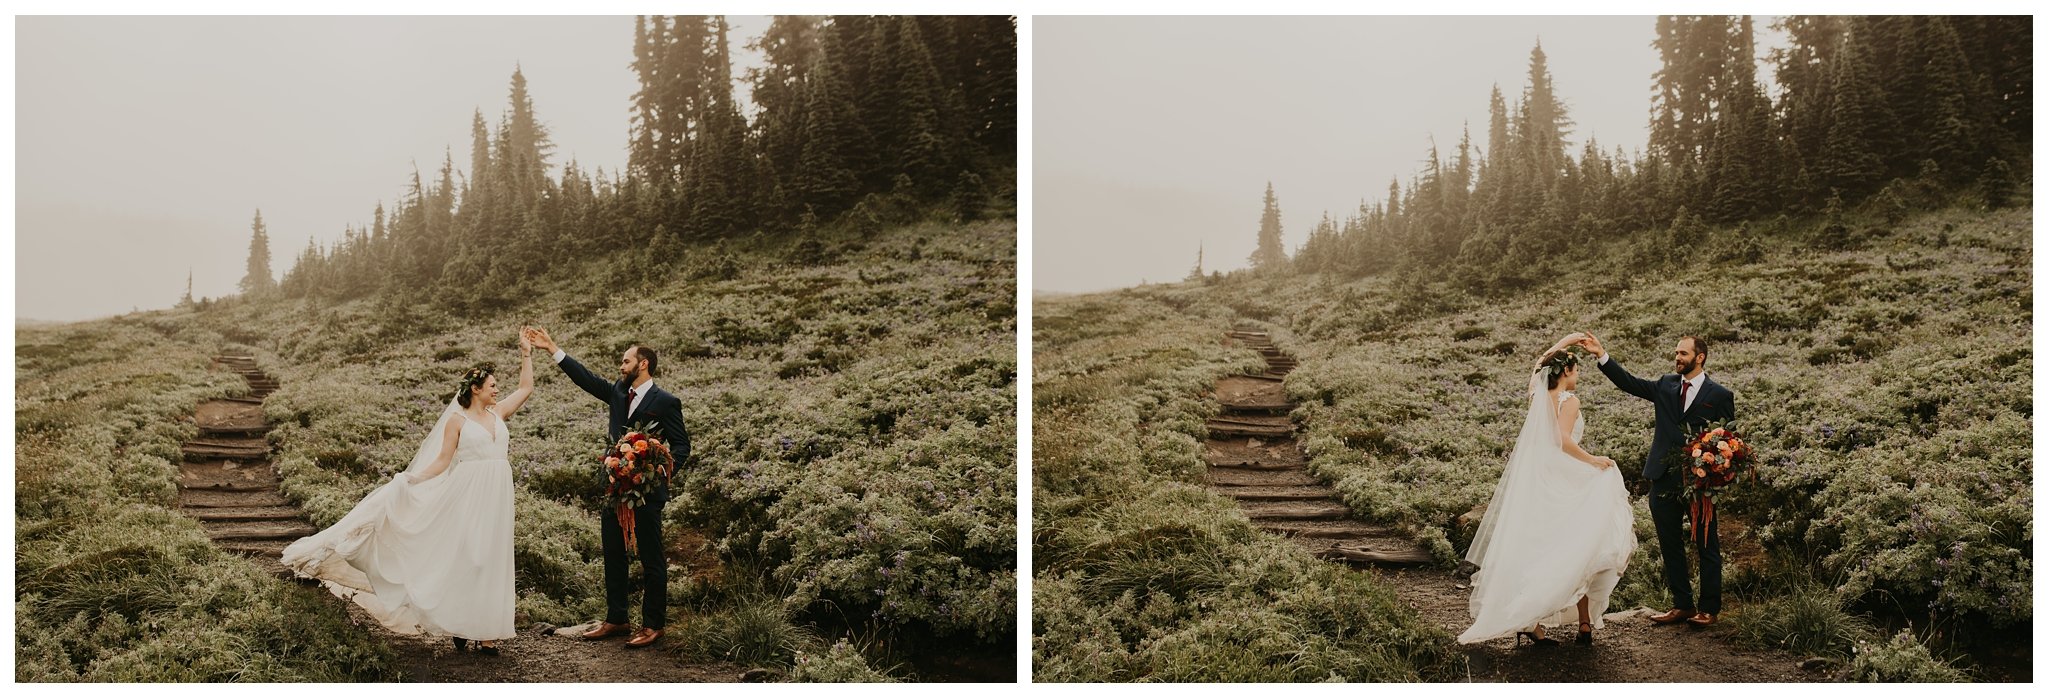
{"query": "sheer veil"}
pixel 431 446
pixel 1537 442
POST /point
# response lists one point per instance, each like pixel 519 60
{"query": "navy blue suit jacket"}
pixel 1674 423
pixel 659 409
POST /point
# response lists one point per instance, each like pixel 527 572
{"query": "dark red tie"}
pixel 630 394
pixel 1684 388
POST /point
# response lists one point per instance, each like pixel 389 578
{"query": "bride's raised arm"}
pixel 1568 340
pixel 517 399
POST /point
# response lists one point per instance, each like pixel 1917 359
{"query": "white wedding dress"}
pixel 1557 529
pixel 433 557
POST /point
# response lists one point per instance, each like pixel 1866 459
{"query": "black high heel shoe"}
pixel 487 650
pixel 461 645
pixel 1585 634
pixel 1534 639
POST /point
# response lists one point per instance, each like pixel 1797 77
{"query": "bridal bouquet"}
pixel 1711 460
pixel 630 469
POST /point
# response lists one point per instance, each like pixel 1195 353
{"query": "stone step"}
pixel 273 513
pixel 1255 421
pixel 230 487
pixel 1343 528
pixel 1259 493
pixel 1376 552
pixel 200 500
pixel 272 548
pixel 234 430
pixel 1296 511
pixel 208 453
pixel 1242 477
pixel 1226 430
pixel 1252 464
pixel 1257 408
pixel 258 530
pixel 244 400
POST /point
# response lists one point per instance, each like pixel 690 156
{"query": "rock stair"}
pixel 227 481
pixel 1254 458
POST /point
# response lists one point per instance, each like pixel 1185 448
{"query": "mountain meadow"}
pixel 829 282
pixel 1865 283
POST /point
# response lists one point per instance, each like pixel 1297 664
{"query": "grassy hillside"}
pixel 1884 370
pixel 1141 573
pixel 112 583
pixel 851 401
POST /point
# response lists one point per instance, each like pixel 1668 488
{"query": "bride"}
pixel 1559 530
pixel 430 552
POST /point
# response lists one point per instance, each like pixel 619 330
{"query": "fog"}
pixel 144 145
pixel 1156 136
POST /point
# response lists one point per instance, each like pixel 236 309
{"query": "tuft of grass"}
pixel 1901 659
pixel 1809 620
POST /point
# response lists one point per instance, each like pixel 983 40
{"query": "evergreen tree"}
pixel 1956 101
pixel 530 144
pixel 1269 254
pixel 1998 184
pixel 1848 161
pixel 790 47
pixel 826 180
pixel 258 279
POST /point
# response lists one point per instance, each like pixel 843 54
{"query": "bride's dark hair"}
pixel 1556 363
pixel 473 379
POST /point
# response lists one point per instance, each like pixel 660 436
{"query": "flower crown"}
pixel 475 377
pixel 1560 361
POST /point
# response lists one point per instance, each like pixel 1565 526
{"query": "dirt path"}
pixel 1254 457
pixel 228 483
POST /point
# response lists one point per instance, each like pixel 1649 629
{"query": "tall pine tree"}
pixel 258 279
pixel 1269 254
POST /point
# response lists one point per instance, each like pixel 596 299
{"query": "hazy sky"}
pixel 144 145
pixel 1152 135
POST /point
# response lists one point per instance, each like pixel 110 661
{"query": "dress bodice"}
pixel 480 442
pixel 1579 424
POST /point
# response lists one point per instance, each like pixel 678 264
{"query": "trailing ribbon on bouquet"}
pixel 630 469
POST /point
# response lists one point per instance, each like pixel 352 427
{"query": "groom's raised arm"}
pixel 1626 381
pixel 597 387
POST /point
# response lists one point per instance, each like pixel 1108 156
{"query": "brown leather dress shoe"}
pixel 646 636
pixel 604 630
pixel 1672 616
pixel 1701 620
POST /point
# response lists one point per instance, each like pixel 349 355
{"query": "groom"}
pixel 633 399
pixel 1686 402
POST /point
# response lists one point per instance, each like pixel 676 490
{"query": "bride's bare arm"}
pixel 433 470
pixel 1567 417
pixel 517 399
pixel 1568 340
